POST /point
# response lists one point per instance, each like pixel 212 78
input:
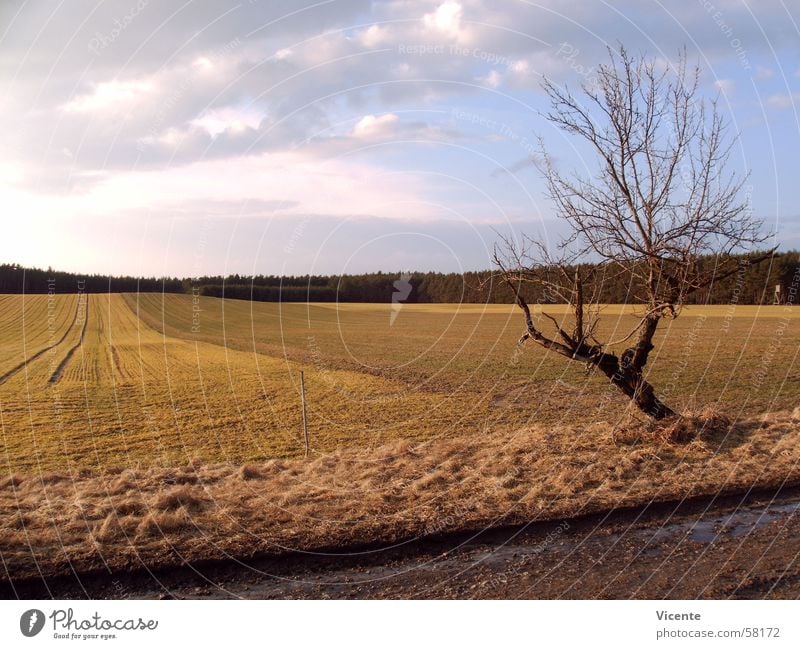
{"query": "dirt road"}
pixel 735 546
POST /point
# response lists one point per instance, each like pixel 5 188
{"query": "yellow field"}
pixel 146 429
pixel 30 326
pixel 162 380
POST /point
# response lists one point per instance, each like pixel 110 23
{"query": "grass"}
pixel 167 425
pixel 31 325
pixel 145 389
pixel 121 519
pixel 740 357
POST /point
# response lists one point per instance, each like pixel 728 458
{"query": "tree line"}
pixel 748 284
pixel 18 279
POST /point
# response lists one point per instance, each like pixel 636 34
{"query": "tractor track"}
pixel 17 368
pixel 56 376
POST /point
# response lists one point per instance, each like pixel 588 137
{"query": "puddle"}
pixel 741 521
pixel 648 541
pixel 732 525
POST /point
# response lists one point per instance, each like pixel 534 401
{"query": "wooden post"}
pixel 303 397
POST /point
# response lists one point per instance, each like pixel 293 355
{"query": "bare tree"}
pixel 660 200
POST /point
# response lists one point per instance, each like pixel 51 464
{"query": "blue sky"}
pixel 344 135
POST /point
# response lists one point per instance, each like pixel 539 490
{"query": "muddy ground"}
pixel 743 546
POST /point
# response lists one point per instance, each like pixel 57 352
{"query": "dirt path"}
pixel 743 546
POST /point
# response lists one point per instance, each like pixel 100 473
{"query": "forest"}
pixel 741 282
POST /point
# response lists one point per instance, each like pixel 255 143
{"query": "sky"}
pixel 334 136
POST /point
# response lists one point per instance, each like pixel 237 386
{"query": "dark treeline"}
pixel 274 293
pixel 16 279
pixel 747 284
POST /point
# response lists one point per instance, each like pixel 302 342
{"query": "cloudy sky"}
pixel 329 136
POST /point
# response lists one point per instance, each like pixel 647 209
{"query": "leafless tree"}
pixel 660 200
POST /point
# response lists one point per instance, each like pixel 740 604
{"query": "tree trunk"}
pixel 644 396
pixel 626 372
pixel 633 384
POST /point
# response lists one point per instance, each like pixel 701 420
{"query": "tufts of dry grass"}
pixel 397 491
pixel 680 429
pixel 690 425
pixel 11 481
pixel 190 500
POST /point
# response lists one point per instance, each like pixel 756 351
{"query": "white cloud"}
pixel 11 173
pixel 203 63
pixel 373 35
pixel 110 95
pixel 371 126
pixel 446 19
pixel 527 73
pixel 493 79
pixel 340 187
pixel 783 101
pixel 218 120
pixel 725 86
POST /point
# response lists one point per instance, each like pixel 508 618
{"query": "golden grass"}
pixel 159 439
pixel 397 491
pixel 130 397
pixel 31 324
pixel 737 356
pixel 145 390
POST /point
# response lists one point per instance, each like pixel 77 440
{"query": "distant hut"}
pixel 787 290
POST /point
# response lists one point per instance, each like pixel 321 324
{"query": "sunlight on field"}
pixel 160 380
pixel 714 310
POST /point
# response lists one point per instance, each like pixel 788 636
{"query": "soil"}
pixel 743 546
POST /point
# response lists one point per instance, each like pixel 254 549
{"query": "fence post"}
pixel 303 397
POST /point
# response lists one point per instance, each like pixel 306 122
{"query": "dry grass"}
pixel 159 442
pixel 396 491
pixel 145 390
pixel 677 430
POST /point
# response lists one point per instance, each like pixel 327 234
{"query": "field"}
pixel 171 421
pixel 162 380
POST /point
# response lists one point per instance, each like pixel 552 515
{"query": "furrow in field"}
pixel 29 323
pixel 17 368
pixel 54 378
pixel 119 349
pixel 120 330
pixel 143 355
pixel 92 367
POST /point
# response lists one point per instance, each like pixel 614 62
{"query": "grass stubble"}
pixel 159 444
